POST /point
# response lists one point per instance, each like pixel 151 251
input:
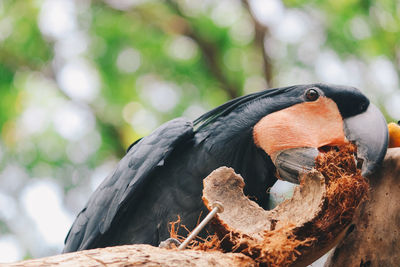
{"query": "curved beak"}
pixel 367 130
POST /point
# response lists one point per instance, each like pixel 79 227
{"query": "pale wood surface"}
pixel 140 255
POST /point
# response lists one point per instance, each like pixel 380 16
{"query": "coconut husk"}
pixel 300 229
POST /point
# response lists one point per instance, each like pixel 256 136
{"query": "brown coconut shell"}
pixel 299 230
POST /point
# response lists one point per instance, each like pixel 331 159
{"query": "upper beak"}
pixel 368 131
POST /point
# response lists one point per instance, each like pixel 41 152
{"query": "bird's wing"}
pixel 125 182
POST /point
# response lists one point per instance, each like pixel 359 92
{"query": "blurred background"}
pixel 81 80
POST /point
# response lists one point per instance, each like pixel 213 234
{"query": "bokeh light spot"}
pixel 79 80
pixel 10 249
pixel 41 200
pixel 57 17
pixel 72 121
pixel 182 48
pixel 128 60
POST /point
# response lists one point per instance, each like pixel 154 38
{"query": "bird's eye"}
pixel 312 94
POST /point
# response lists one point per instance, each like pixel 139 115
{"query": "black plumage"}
pixel 161 175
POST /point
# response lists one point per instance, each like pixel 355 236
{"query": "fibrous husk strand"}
pixel 297 231
pixel 346 188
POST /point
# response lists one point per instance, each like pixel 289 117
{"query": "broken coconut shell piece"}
pixel 299 230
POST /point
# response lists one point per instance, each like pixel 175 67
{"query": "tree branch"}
pixel 210 52
pixel 261 32
pixel 141 255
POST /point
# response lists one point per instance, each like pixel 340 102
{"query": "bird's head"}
pixel 318 117
pixel 293 124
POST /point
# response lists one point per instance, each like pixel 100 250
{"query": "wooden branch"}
pixel 375 240
pixel 141 255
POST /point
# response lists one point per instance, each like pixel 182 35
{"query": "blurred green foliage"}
pixel 379 19
pixel 81 80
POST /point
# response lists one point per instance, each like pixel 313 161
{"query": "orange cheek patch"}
pixel 308 124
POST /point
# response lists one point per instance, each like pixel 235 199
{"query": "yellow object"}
pixel 394 134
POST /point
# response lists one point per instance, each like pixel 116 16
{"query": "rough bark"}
pixel 375 240
pixel 141 255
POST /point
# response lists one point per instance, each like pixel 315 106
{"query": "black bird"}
pixel 161 175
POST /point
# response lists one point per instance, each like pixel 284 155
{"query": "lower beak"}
pixel 368 131
pixel 292 163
